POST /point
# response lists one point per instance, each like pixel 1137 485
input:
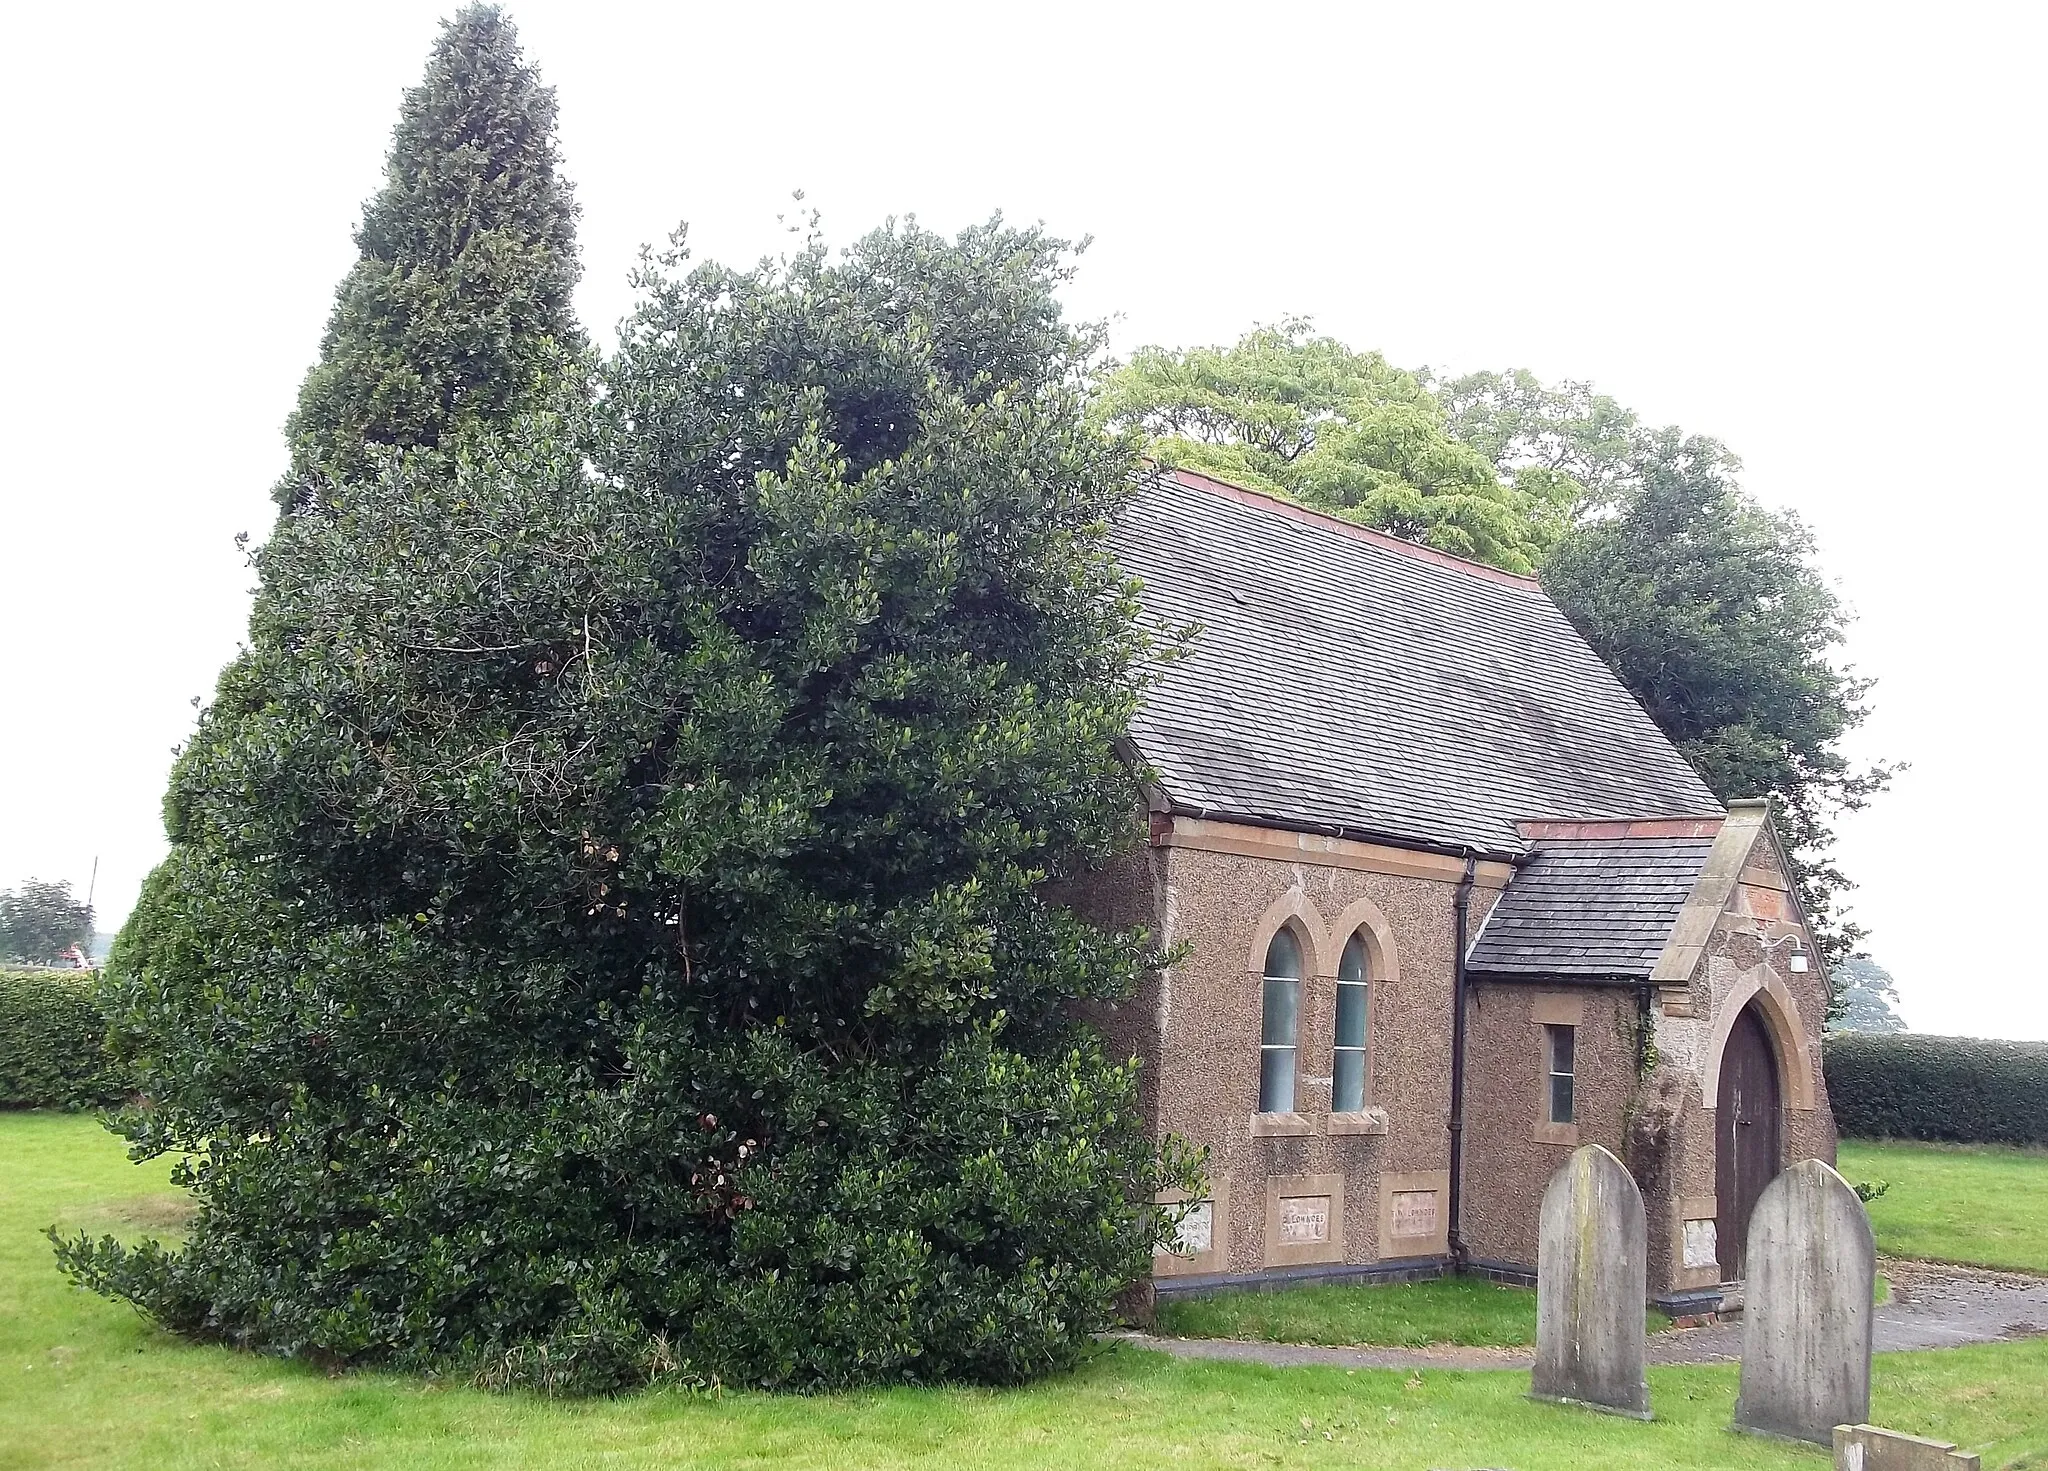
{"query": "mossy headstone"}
pixel 1591 1265
pixel 1808 1317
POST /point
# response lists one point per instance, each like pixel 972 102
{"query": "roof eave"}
pixel 1554 978
pixel 1515 856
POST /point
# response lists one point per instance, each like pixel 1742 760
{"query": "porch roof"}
pixel 1589 909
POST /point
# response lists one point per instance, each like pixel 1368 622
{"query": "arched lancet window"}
pixel 1347 1065
pixel 1279 1020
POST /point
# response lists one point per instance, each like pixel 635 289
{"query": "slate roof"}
pixel 1345 682
pixel 1596 909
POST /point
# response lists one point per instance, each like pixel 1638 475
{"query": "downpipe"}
pixel 1461 908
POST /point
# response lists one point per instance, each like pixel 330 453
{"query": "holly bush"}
pixel 605 934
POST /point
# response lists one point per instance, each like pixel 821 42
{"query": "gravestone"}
pixel 1869 1448
pixel 1591 1261
pixel 1807 1317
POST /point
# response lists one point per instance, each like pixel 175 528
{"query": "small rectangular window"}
pixel 1561 1047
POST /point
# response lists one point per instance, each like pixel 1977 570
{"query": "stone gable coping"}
pixel 1694 930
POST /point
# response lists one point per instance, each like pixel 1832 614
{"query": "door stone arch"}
pixel 1782 1024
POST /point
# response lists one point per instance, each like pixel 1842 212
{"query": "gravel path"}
pixel 1931 1306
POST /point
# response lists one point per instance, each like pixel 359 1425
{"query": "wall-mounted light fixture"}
pixel 1798 958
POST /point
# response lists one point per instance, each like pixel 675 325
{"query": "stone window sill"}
pixel 1366 1121
pixel 1557 1134
pixel 1272 1125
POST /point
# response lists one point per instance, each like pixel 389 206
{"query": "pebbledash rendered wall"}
pixel 1665 1130
pixel 1308 1191
pixel 1511 1150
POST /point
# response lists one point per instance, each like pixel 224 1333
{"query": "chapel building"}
pixel 1386 779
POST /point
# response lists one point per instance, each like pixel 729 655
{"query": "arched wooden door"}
pixel 1747 1135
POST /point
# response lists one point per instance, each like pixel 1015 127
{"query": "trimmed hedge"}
pixel 1966 1090
pixel 51 1035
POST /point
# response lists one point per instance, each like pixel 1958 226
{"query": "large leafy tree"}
pixel 40 920
pixel 1286 410
pixel 1547 433
pixel 1868 997
pixel 1710 608
pixel 605 932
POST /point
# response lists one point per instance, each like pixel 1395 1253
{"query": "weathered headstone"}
pixel 1807 1319
pixel 1591 1261
pixel 1867 1448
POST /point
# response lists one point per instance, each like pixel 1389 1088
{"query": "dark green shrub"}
pixel 52 1035
pixel 605 933
pixel 1962 1089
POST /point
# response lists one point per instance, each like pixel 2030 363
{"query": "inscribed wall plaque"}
pixel 1197 1229
pixel 1304 1219
pixel 1412 1214
pixel 1702 1244
pixel 1202 1237
pixel 1415 1213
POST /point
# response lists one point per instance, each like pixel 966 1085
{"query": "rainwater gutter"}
pixel 1344 832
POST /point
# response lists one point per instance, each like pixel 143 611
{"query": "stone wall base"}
pixel 1507 1274
pixel 1698 1303
pixel 1406 1269
pixel 1693 1304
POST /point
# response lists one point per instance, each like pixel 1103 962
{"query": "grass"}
pixel 85 1383
pixel 1458 1310
pixel 1981 1204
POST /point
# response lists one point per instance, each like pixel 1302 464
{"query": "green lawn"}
pixel 1977 1203
pixel 1461 1310
pixel 84 1383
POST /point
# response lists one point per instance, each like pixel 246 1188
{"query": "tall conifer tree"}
pixel 460 301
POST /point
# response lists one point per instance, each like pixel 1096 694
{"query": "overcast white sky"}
pixel 1811 230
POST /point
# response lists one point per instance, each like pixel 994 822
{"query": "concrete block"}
pixel 1591 1261
pixel 1807 1325
pixel 1868 1448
